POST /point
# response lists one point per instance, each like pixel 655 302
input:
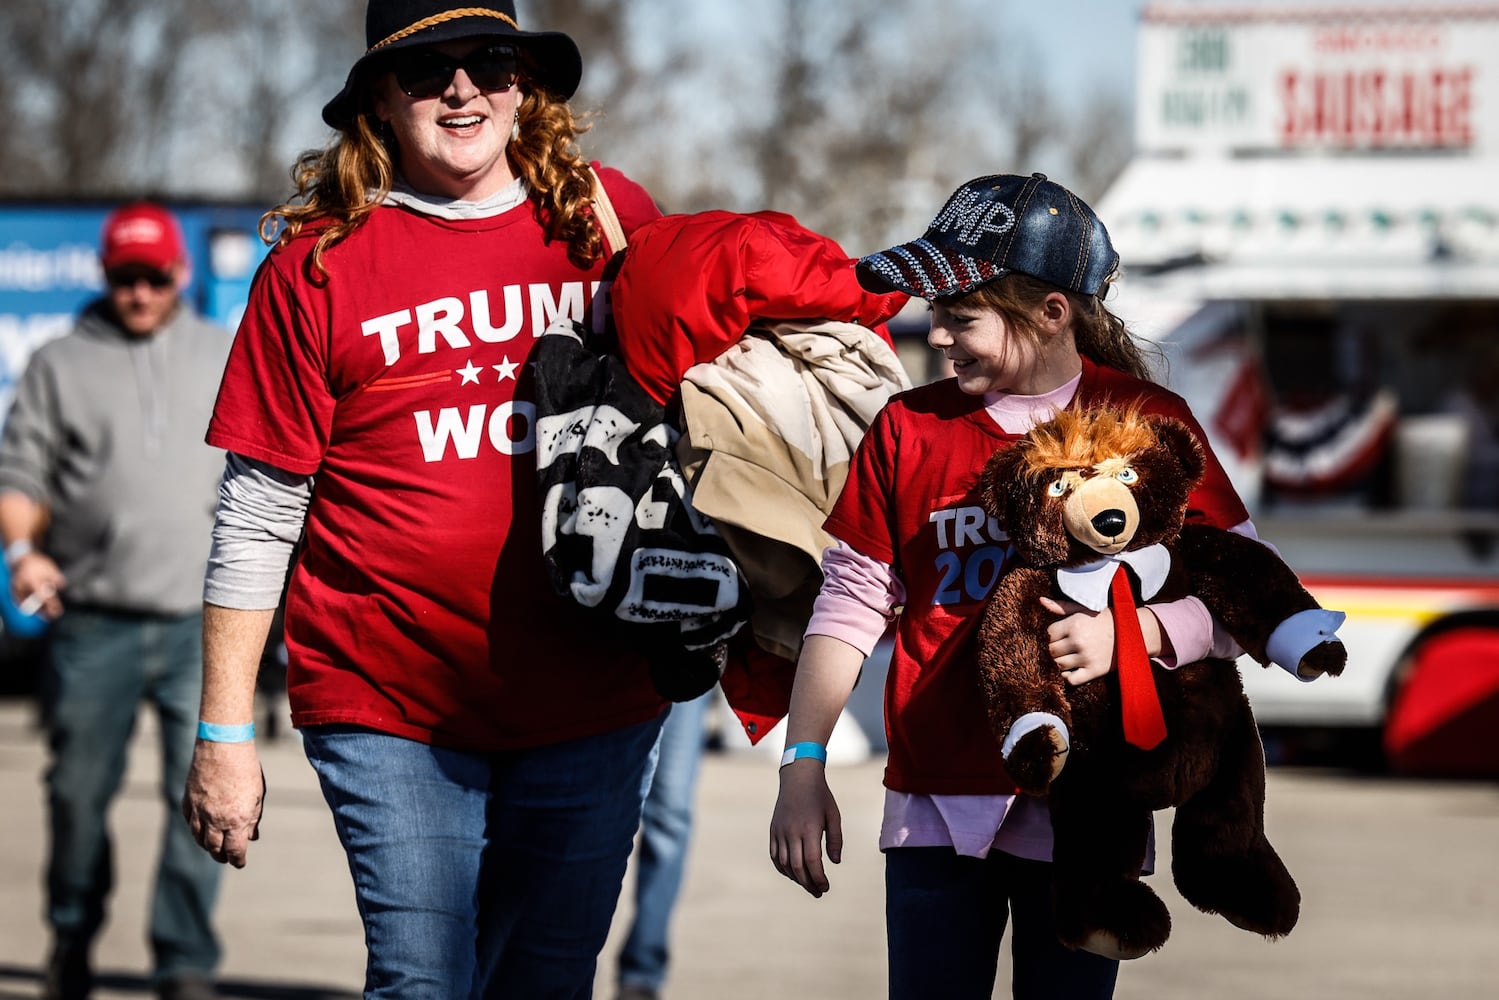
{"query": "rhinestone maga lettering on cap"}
pixel 973 217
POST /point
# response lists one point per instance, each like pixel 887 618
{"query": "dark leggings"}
pixel 945 915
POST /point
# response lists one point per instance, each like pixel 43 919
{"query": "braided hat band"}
pixel 436 19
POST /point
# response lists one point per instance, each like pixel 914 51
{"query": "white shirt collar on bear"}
pixel 1088 584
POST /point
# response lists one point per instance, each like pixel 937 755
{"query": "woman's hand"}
pixel 224 798
pixel 805 811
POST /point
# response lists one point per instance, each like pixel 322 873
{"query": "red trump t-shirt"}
pixel 912 500
pixel 419 604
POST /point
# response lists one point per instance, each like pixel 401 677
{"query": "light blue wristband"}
pixel 215 733
pixel 797 751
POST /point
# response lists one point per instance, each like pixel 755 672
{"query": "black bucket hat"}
pixel 392 25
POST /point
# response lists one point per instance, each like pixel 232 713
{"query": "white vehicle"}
pixel 1311 229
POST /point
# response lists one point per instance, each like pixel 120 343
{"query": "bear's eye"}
pixel 1057 489
pixel 1128 476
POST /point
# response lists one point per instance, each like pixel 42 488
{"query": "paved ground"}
pixel 1401 882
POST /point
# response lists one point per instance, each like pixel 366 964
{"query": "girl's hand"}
pixel 1081 641
pixel 805 811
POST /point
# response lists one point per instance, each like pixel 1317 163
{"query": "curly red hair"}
pixel 337 187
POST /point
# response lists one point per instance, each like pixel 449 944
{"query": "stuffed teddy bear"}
pixel 1082 497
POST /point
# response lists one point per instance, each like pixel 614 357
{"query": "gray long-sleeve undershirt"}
pixel 259 519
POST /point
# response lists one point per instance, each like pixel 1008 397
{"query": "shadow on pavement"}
pixel 13 977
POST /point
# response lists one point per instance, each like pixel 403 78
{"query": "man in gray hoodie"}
pixel 107 494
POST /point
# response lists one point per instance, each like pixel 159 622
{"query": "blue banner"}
pixel 49 270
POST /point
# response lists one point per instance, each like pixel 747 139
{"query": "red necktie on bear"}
pixel 1144 725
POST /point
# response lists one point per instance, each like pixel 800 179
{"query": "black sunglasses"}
pixel 424 73
pixel 130 277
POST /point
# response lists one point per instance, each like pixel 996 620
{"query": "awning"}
pixel 1366 227
pixel 1319 278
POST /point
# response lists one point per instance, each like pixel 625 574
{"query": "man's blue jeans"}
pixel 945 915
pixel 484 875
pixel 666 825
pixel 102 665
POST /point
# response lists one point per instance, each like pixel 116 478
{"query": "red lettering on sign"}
pixel 1352 40
pixel 1412 108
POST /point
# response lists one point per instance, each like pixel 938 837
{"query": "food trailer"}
pixel 1310 229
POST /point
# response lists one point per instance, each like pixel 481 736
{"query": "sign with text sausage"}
pixel 1318 78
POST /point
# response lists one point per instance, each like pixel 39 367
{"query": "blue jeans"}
pixel 483 875
pixel 102 665
pixel 666 825
pixel 945 915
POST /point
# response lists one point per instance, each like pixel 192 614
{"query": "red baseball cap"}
pixel 141 233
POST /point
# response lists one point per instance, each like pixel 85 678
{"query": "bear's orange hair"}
pixel 1081 439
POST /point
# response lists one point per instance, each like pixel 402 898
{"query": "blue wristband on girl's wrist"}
pixel 212 732
pixel 797 751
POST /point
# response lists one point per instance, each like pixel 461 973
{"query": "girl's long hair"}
pixel 344 182
pixel 1101 336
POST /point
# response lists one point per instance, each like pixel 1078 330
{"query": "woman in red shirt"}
pixel 483 751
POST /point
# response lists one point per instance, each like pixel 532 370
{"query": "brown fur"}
pixel 1210 766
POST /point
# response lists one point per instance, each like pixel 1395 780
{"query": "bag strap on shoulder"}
pixel 603 211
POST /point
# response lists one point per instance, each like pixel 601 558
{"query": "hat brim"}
pixel 157 258
pixel 555 63
pixel 921 269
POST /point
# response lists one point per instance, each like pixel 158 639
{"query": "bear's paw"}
pixel 1037 759
pixel 1325 658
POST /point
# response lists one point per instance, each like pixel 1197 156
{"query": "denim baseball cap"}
pixel 993 226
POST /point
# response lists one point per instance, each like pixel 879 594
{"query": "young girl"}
pixel 1015 269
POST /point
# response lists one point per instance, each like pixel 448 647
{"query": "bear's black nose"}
pixel 1110 523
